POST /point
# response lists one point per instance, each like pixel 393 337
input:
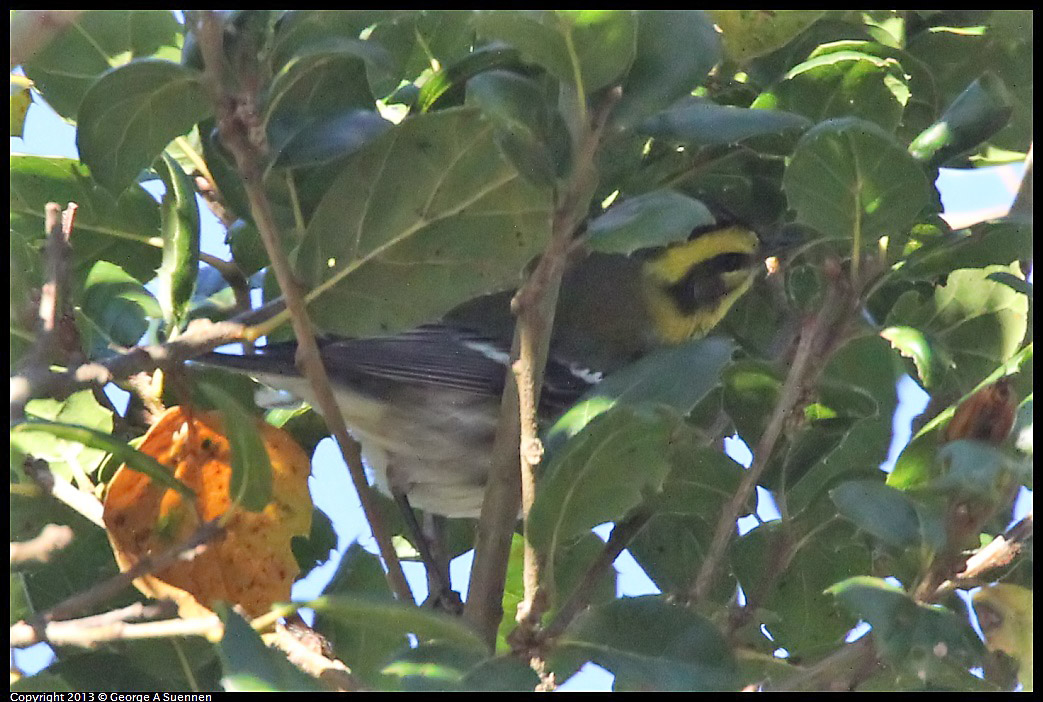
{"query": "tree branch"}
pixel 238 124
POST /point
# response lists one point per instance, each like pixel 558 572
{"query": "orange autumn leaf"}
pixel 251 562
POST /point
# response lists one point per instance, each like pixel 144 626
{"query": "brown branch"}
pixel 621 536
pixel 188 549
pixel 73 633
pixel 818 335
pixel 238 124
pixel 83 503
pixel 509 487
pixel 200 336
pixel 41 548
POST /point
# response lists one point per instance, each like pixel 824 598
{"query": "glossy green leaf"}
pixel 527 130
pixel 586 48
pixel 601 474
pixel 93 439
pixel 886 513
pixel 432 206
pixel 431 667
pixel 115 309
pixel 448 82
pixel 419 42
pixel 377 614
pixel 979 112
pixel 364 649
pixel 107 228
pixel 251 481
pixel 973 322
pixel 988 243
pixel 99 39
pixel 850 179
pixel 912 343
pixel 660 74
pixel 653 379
pixel 751 33
pixel 314 141
pixel 177 274
pixel 923 639
pixel 657 218
pixel 844 79
pixel 704 123
pixel 132 112
pixel 248 665
pixel 650 644
pixel 790 600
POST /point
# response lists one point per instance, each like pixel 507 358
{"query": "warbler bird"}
pixel 424 404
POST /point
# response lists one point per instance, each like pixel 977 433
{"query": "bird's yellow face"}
pixel 690 286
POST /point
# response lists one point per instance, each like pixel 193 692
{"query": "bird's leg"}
pixel 432 552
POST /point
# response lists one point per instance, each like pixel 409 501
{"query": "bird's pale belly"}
pixel 433 446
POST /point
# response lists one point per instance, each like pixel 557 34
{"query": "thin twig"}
pixel 42 547
pixel 72 633
pixel 808 360
pixel 509 488
pixel 147 564
pixel 83 503
pixel 621 536
pixel 237 123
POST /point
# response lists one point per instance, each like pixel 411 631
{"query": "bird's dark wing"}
pixel 437 356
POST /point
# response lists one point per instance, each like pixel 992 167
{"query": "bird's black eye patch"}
pixel 703 284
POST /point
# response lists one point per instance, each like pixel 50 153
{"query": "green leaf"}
pixel 297 30
pixel 650 644
pixel 248 665
pixel 928 641
pixel 652 219
pixel 93 439
pixel 601 474
pixel 980 111
pixel 364 649
pixel 794 609
pixel 130 115
pixel 850 179
pixel 660 73
pixel 419 42
pixel 844 79
pixel 447 84
pixel 703 123
pixel 663 377
pixel 109 229
pixel 316 140
pixel 318 89
pixel 431 667
pixel 527 129
pixel 73 458
pixel 585 48
pixel 177 274
pixel 251 481
pixel 912 343
pixel 886 513
pixel 99 39
pixel 987 243
pixel 751 33
pixel 434 216
pixel 977 470
pixel 381 615
pixel 115 309
pixel 751 390
pixel 972 323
